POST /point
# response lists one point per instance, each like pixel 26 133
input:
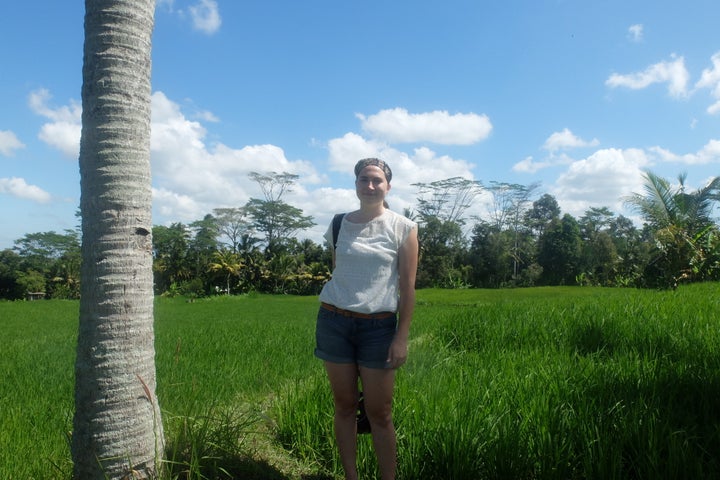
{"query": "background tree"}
pixel 598 259
pixel 31 281
pixel 543 211
pixel 598 253
pixel 447 199
pixel 10 288
pixel 117 428
pixel 277 220
pixel 253 261
pixel 519 203
pixel 233 226
pixel 632 250
pixel 313 266
pixel 46 245
pixel 510 246
pixel 172 262
pixel 65 275
pixel 440 213
pixel 559 252
pixel 442 258
pixel 274 185
pixel 595 220
pixel 508 203
pixel 202 247
pixel 309 251
pixel 490 256
pixel 507 210
pixel 50 263
pixel 682 228
pixel 228 263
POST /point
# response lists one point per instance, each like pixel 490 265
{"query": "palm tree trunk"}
pixel 117 426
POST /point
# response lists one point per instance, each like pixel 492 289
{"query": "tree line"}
pixel 523 240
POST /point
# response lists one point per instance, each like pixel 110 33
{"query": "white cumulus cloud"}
pixel 63 130
pixel 9 143
pixel 192 177
pixel 530 165
pixel 555 144
pixel 19 188
pixel 635 32
pixel 206 16
pixel 709 153
pixel 710 79
pixel 604 178
pixel 565 140
pixel 397 125
pixel 672 72
pixel 420 165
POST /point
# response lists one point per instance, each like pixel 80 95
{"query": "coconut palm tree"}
pixel 228 262
pixel 117 429
pixel 684 232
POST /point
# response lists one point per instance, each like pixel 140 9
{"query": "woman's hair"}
pixel 366 162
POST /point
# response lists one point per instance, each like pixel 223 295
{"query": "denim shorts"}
pixel 363 341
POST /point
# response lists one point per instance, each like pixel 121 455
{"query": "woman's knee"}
pixel 380 415
pixel 346 405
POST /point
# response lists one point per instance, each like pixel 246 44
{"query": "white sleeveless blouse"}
pixel 366 277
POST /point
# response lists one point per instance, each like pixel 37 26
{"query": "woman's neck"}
pixel 368 212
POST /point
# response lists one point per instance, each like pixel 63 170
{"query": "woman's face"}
pixel 371 186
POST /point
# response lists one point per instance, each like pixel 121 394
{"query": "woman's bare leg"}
pixel 344 384
pixel 378 385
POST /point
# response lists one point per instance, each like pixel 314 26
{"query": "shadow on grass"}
pixel 225 445
pixel 238 467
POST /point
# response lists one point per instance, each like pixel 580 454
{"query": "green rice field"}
pixel 540 383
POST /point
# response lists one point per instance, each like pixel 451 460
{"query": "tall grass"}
pixel 220 362
pixel 36 388
pixel 512 384
pixel 552 384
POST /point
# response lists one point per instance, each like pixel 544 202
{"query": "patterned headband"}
pixel 366 162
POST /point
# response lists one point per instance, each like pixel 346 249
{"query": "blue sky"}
pixel 579 95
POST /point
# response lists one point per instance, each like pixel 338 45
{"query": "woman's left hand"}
pixel 397 355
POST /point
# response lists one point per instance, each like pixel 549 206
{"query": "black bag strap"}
pixel 337 221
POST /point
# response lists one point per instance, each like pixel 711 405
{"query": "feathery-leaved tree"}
pixel 274 218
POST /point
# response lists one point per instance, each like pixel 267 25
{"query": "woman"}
pixel 365 314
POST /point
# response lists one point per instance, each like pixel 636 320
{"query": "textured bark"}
pixel 117 429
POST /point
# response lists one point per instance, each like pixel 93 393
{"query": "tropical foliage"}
pixel 519 242
pixel 686 245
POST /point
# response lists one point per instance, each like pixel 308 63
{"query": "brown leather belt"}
pixel 348 313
